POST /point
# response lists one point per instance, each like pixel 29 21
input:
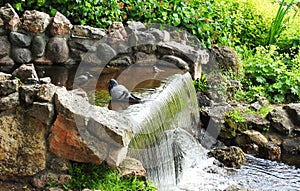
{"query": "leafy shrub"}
pixel 225 22
pixel 102 177
pixel 273 75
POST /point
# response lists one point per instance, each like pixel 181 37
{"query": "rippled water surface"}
pixel 267 175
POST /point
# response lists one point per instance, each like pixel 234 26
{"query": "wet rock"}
pixel 21 55
pixel 291 145
pixel 176 61
pixel 4 46
pixel 44 112
pixel 105 52
pixel 238 188
pixel 10 17
pixel 256 138
pixel 8 87
pixel 4 76
pixel 229 156
pixel 203 100
pixel 136 26
pixel 43 61
pixel 57 50
pixel 132 168
pixel 38 46
pixel 9 102
pixel 6 64
pixel 226 58
pixel 270 151
pixel 19 39
pixel 28 94
pixel 46 92
pixel 25 71
pixel 60 25
pixel 88 32
pixel 280 120
pixel 35 21
pixel 3 32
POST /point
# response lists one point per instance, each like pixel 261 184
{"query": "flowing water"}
pixel 165 140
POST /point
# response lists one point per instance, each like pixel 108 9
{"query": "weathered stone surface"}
pixel 43 61
pixel 19 39
pixel 4 46
pixel 293 110
pixel 10 17
pixel 136 26
pixel 3 32
pixel 88 32
pixel 6 64
pixel 256 121
pixel 84 45
pixel 238 188
pixel 28 94
pixel 46 92
pixel 47 178
pixel 44 112
pixel 25 71
pixel 142 41
pixel 229 156
pixel 9 102
pixel 105 52
pixel 116 33
pixel 4 76
pixel 8 87
pixel 176 61
pixel 132 168
pixel 270 151
pixel 193 57
pixel 280 120
pixel 121 61
pixel 38 46
pixel 57 50
pixel 26 155
pixel 35 21
pixel 86 133
pixel 141 57
pixel 60 25
pixel 226 58
pixel 291 145
pixel 65 141
pixel 256 138
pixel 21 55
pixel 160 35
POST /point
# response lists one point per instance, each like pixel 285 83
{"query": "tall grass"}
pixel 278 24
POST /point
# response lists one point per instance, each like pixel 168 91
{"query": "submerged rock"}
pixel 229 156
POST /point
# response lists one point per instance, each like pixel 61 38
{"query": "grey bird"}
pixel 119 92
pixel 83 79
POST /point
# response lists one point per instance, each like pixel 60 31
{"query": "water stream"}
pixel 165 139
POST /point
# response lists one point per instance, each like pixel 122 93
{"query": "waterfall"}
pixel 163 139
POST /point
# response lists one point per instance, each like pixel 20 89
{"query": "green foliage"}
pixel 236 116
pixel 279 22
pixel 102 177
pixel 201 84
pixel 273 75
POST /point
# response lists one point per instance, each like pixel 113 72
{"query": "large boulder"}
pixel 35 21
pixel 229 156
pixel 87 133
pixel 10 17
pixel 60 25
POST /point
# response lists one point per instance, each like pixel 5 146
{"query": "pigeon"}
pixel 119 92
pixel 83 79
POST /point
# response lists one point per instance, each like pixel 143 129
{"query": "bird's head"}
pixel 112 83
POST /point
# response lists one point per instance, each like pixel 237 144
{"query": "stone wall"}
pixel 39 39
